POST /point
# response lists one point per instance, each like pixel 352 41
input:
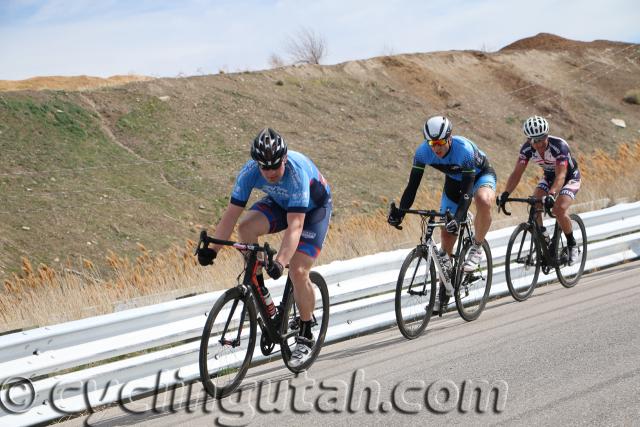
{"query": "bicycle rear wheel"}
pixel 228 341
pixel 472 289
pixel 415 294
pixel 290 326
pixel 522 263
pixel 570 274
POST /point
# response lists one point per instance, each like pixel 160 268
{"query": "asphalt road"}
pixel 564 357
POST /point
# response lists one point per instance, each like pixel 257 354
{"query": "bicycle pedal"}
pixel 294 323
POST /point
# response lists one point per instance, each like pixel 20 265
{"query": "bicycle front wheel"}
pixel 415 294
pixel 227 344
pixel 290 326
pixel 522 263
pixel 472 289
pixel 569 274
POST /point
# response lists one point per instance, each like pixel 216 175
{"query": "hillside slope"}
pixel 86 172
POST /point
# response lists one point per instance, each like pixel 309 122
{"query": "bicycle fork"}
pixel 236 341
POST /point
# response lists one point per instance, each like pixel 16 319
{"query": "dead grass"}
pixel 40 295
pixel 68 82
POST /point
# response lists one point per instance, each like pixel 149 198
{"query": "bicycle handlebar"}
pixel 532 201
pixel 205 240
pixel 446 216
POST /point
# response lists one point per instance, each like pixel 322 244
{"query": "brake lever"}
pixel 203 241
pixel 548 212
pixel 393 207
pixel 270 253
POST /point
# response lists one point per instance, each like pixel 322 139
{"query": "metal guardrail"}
pixel 361 292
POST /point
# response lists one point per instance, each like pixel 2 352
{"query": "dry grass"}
pixel 40 295
pixel 68 83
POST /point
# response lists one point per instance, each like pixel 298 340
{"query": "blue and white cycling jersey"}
pixel 466 169
pixel 464 156
pixel 301 189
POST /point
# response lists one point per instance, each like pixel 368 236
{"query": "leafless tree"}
pixel 275 61
pixel 306 47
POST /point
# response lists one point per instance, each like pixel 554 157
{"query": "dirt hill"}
pixel 84 172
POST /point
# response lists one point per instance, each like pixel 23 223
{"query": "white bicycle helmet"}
pixel 437 127
pixel 535 127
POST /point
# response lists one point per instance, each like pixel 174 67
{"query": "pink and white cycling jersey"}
pixel 557 152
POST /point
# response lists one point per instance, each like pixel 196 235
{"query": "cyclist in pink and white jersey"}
pixel 561 178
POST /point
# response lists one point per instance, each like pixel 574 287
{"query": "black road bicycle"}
pixel 416 286
pixel 528 252
pixel 229 335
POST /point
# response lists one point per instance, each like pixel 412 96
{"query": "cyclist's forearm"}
pixel 514 179
pixel 409 194
pixel 291 238
pixel 561 175
pixel 227 223
pixel 466 188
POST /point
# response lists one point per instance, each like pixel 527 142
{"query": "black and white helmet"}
pixel 437 127
pixel 268 148
pixel 535 127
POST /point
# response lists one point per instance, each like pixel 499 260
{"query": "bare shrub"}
pixel 632 97
pixel 275 61
pixel 306 47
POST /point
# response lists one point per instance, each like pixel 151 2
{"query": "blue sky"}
pixel 165 38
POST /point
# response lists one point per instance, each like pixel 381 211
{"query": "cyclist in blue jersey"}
pixel 469 175
pixel 298 201
pixel 560 181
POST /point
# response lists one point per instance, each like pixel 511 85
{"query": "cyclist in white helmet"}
pixel 468 175
pixel 560 181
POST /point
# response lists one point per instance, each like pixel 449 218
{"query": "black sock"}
pixel 571 241
pixel 305 329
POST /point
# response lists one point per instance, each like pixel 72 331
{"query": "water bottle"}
pixel 266 296
pixel 545 234
pixel 445 261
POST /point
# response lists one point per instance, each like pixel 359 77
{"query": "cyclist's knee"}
pixel 245 232
pixel 298 273
pixel 250 230
pixel 484 202
pixel 559 210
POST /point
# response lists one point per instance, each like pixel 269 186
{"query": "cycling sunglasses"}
pixel 440 142
pixel 269 167
pixel 538 139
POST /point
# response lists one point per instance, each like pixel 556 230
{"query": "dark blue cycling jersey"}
pixel 556 153
pixel 301 189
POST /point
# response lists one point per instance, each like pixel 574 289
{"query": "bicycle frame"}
pixel 549 259
pixel 249 286
pixel 427 243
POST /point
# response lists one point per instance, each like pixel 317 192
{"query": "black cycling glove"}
pixel 206 256
pixel 395 216
pixel 502 200
pixel 275 269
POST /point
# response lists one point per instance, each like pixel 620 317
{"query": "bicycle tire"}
pixel 221 378
pixel 480 280
pixel 418 308
pixel 519 265
pixel 570 275
pixel 289 327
